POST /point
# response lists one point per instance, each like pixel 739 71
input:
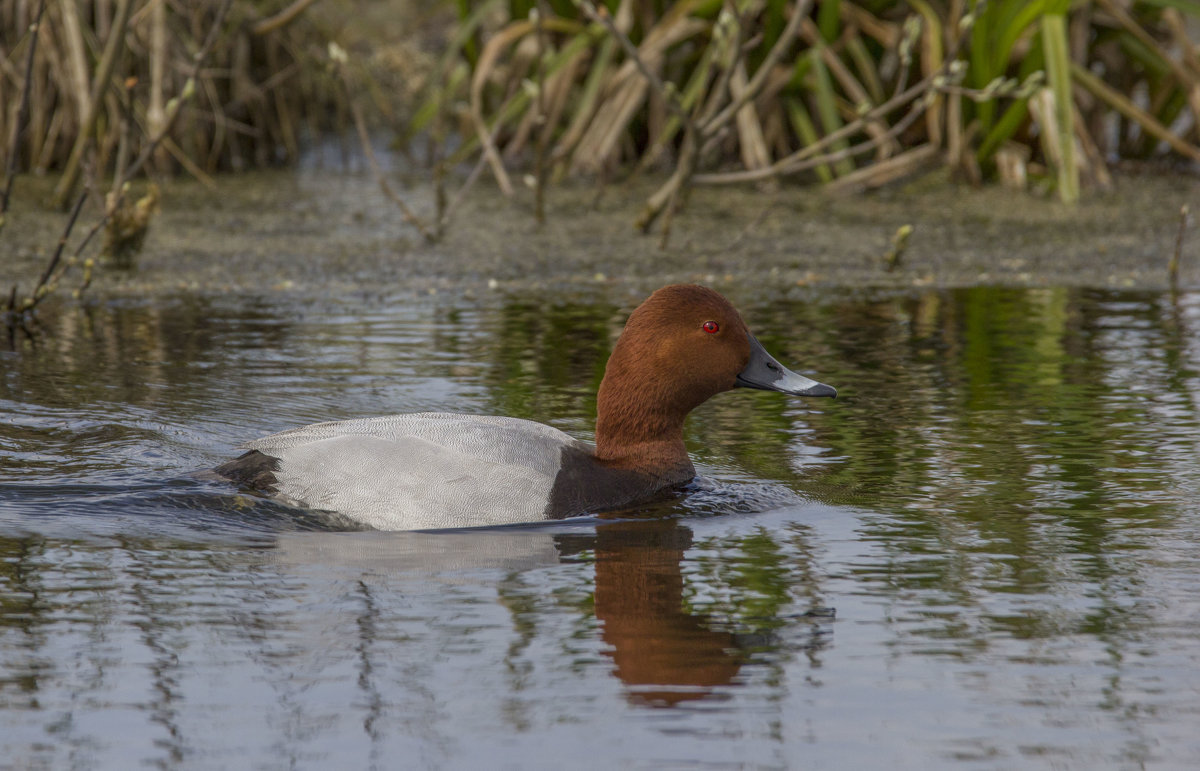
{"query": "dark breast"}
pixel 585 486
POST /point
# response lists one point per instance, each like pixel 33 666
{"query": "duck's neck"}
pixel 639 429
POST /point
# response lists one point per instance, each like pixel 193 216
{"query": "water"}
pixel 1002 506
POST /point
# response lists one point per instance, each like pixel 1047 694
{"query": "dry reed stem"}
pixel 100 84
pixel 809 156
pixel 483 69
pixel 588 101
pixel 281 19
pixel 633 90
pixel 886 33
pixel 718 95
pixel 1179 32
pixel 753 146
pixel 38 294
pixel 155 114
pixel 1126 107
pixel 22 114
pixel 185 161
pixel 932 60
pixel 1095 165
pixel 76 54
pixel 629 85
pixel 175 106
pixel 706 133
pixel 884 172
pixel 539 159
pixel 1189 81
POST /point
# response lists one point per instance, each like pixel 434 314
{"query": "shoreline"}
pixel 314 232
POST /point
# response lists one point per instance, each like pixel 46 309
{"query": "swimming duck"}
pixel 683 345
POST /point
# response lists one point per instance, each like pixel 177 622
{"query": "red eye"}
pixel 711 327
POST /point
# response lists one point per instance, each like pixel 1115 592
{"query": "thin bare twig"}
pixel 461 195
pixel 37 295
pixel 365 140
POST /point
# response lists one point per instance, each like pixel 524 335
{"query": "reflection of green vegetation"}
pixel 999 430
pixel 750 577
pixel 547 361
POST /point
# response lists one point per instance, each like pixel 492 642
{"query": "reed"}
pixel 845 94
pixel 104 71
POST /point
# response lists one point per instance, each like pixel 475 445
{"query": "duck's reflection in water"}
pixel 664 654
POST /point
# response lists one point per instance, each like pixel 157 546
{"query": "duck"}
pixel 432 470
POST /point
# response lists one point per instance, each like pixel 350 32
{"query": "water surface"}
pixel 1002 506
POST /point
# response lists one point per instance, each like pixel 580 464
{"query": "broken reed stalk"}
pixel 891 259
pixel 22 115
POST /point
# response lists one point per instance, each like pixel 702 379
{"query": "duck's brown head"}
pixel 680 347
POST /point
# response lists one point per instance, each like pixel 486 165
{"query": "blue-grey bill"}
pixel 767 374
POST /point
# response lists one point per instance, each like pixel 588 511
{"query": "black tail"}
pixel 252 470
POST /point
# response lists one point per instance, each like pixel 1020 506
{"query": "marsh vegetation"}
pixel 845 95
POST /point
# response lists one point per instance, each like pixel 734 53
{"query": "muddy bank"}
pixel 319 233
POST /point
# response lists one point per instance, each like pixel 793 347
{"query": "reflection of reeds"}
pixel 848 93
